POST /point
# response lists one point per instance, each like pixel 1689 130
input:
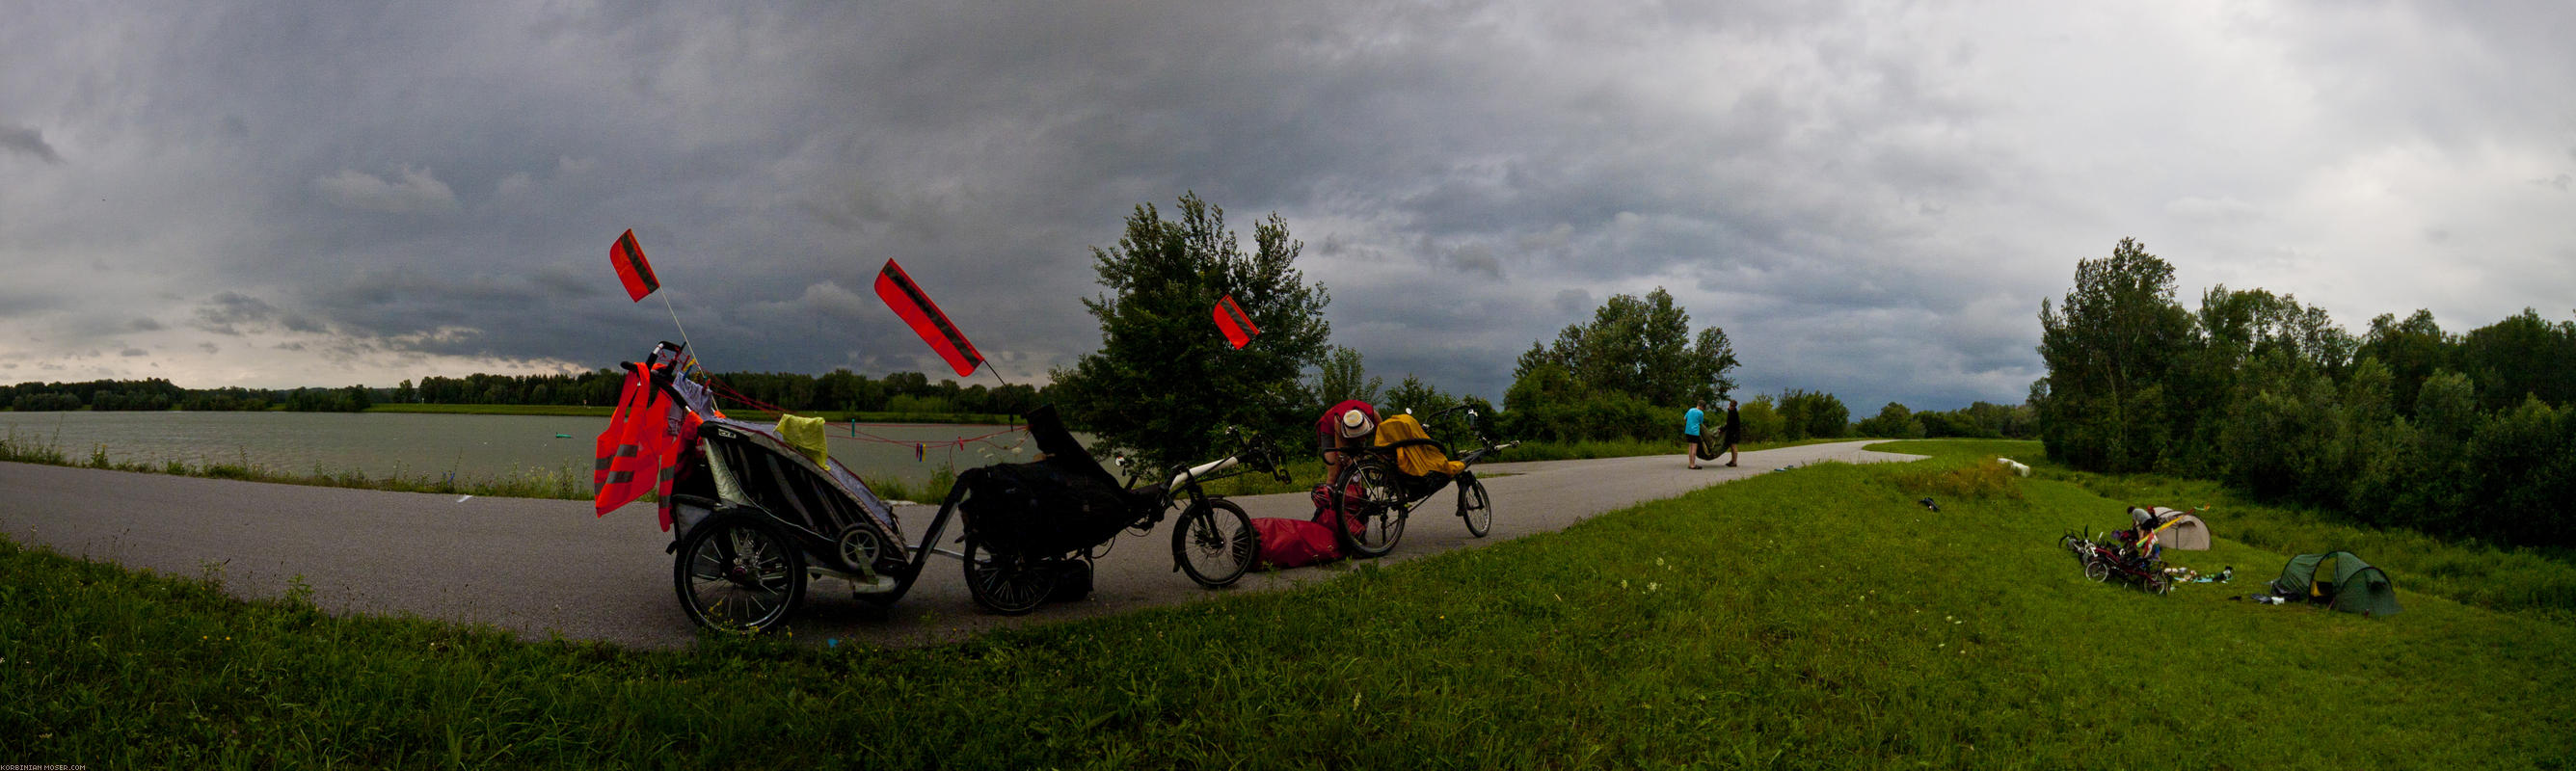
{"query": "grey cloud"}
pixel 413 191
pixel 1467 180
pixel 27 141
pixel 144 325
pixel 228 312
pixel 130 352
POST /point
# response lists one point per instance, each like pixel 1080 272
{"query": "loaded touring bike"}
pixel 1381 488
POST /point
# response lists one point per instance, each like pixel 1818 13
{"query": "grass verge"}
pixel 1814 618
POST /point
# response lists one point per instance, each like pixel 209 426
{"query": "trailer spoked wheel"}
pixel 738 574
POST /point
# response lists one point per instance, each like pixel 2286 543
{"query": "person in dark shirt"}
pixel 1732 433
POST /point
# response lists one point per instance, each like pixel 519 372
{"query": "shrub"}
pixel 1987 478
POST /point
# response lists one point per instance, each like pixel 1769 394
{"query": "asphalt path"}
pixel 547 567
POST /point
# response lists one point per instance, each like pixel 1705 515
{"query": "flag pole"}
pixel 675 321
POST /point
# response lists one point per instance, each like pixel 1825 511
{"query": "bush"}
pixel 1987 478
pixel 1761 421
pixel 1806 414
pixel 1893 422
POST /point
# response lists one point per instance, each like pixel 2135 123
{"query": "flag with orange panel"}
pixel 895 287
pixel 1236 325
pixel 628 257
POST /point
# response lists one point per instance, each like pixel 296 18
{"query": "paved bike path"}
pixel 540 567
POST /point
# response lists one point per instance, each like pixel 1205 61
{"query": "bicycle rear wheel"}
pixel 1215 543
pixel 1008 584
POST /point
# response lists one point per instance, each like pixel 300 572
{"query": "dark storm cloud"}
pixel 228 313
pixel 29 142
pixel 1868 200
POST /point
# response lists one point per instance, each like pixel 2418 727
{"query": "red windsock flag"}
pixel 1231 320
pixel 897 290
pixel 631 267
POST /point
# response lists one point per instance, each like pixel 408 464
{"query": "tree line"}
pixel 156 394
pixel 2469 434
pixel 839 390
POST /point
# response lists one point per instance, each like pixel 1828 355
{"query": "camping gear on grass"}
pixel 2340 581
pixel 2185 532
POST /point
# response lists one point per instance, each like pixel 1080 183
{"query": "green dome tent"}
pixel 2340 581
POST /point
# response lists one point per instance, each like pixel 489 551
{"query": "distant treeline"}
pixel 2468 434
pixel 155 395
pixel 1632 371
pixel 837 391
pixel 146 395
pixel 840 390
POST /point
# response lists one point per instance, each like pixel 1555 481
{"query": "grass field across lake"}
pixel 1818 617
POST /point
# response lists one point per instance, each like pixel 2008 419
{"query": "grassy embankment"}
pixel 1814 618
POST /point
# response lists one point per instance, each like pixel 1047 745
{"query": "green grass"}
pixel 1628 448
pixel 1814 618
pixel 565 483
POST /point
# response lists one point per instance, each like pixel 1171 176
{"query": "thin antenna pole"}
pixel 675 321
pixel 997 373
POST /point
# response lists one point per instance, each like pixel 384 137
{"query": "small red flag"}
pixel 1231 320
pixel 628 256
pixel 897 290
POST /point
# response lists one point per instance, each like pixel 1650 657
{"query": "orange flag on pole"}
pixel 895 287
pixel 637 274
pixel 1237 326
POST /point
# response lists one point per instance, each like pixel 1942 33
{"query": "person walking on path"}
pixel 1690 433
pixel 1731 434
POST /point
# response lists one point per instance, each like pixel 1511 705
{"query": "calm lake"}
pixel 469 446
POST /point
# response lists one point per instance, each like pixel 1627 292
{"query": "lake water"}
pixel 469 446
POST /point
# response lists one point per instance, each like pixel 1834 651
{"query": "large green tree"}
pixel 1164 379
pixel 1641 347
pixel 2110 348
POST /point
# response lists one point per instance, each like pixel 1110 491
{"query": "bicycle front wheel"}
pixel 1215 543
pixel 1372 520
pixel 1474 507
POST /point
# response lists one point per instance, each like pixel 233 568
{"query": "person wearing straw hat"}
pixel 1342 432
pixel 1345 428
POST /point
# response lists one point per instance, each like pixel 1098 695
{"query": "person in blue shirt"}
pixel 1690 432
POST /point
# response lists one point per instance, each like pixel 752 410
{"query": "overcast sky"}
pixel 1870 198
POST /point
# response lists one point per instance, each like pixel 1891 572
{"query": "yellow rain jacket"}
pixel 806 435
pixel 1418 460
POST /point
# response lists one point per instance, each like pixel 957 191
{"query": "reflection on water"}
pixel 469 446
